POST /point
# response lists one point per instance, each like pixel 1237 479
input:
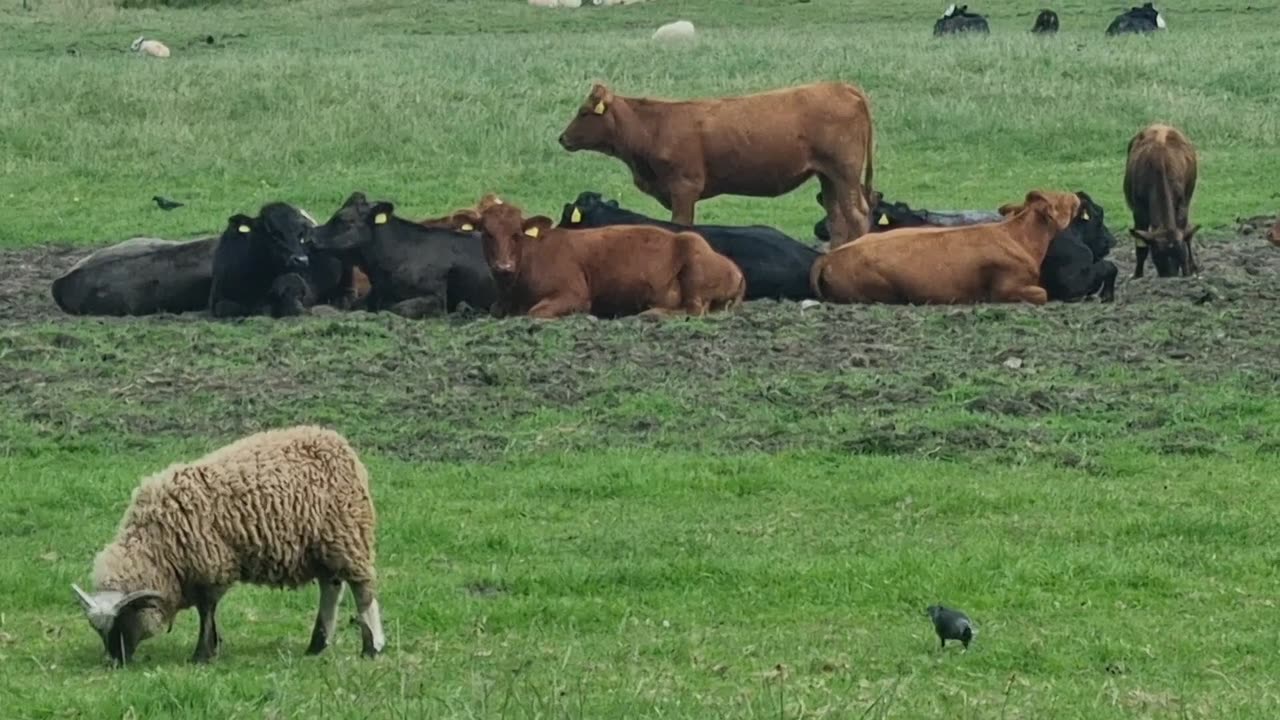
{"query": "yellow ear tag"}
pixel 380 219
pixel 576 216
pixel 244 229
pixel 1084 215
pixel 884 220
pixel 468 227
pixel 599 108
pixel 532 232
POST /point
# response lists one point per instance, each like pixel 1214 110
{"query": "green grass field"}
pixel 742 516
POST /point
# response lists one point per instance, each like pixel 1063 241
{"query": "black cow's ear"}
pixel 381 212
pixel 242 224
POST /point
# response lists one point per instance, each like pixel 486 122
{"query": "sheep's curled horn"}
pixel 101 615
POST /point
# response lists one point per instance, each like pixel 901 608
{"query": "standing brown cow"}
pixel 994 262
pixel 610 271
pixel 1159 180
pixel 760 145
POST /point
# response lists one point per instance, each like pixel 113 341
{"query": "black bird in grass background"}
pixel 951 624
pixel 165 203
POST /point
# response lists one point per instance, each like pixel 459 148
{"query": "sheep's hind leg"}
pixel 327 616
pixel 369 618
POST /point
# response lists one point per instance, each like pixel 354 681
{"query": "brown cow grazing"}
pixel 994 262
pixel 612 271
pixel 1159 180
pixel 760 145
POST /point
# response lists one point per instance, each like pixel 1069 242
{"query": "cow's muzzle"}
pixel 299 262
pixel 504 269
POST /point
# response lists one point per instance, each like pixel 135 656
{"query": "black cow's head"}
pixel 1145 19
pixel 884 216
pixel 281 232
pixel 352 225
pixel 587 204
pixel 1091 225
pixel 1046 23
pixel 960 20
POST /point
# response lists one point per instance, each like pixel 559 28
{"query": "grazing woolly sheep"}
pixel 154 48
pixel 675 31
pixel 278 508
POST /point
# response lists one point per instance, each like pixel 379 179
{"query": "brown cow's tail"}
pixel 739 295
pixel 869 171
pixel 816 280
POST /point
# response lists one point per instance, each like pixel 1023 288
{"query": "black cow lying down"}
pixel 1145 19
pixel 140 276
pixel 268 264
pixel 1074 266
pixel 413 270
pixel 144 276
pixel 960 20
pixel 887 216
pixel 773 264
pixel 1046 23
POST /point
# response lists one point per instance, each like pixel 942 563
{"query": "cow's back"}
pixel 1161 158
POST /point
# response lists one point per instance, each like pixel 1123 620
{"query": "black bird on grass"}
pixel 950 625
pixel 165 203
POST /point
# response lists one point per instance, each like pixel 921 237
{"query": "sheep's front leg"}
pixel 207 644
pixel 370 619
pixel 327 617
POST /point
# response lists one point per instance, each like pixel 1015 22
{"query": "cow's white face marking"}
pixel 1160 21
pixel 951 10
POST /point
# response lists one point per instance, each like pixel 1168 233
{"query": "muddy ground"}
pixel 1178 366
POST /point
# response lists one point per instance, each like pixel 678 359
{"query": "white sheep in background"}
pixel 154 48
pixel 278 508
pixel 678 30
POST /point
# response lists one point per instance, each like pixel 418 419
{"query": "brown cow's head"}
pixel 1059 207
pixel 1168 248
pixel 594 126
pixel 505 233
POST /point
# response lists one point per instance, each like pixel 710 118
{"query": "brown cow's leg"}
pixel 1019 289
pixel 554 307
pixel 837 225
pixel 1140 260
pixel 1192 267
pixel 683 199
pixel 657 312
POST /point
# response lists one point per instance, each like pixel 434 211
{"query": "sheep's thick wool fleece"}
pixel 272 508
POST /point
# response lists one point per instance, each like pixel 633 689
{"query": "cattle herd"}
pixel 1135 20
pixel 607 261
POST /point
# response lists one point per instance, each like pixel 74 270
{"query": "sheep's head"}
pixel 123 620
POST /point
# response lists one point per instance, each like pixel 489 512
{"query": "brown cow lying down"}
pixel 461 219
pixel 761 145
pixel 612 271
pixel 995 262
